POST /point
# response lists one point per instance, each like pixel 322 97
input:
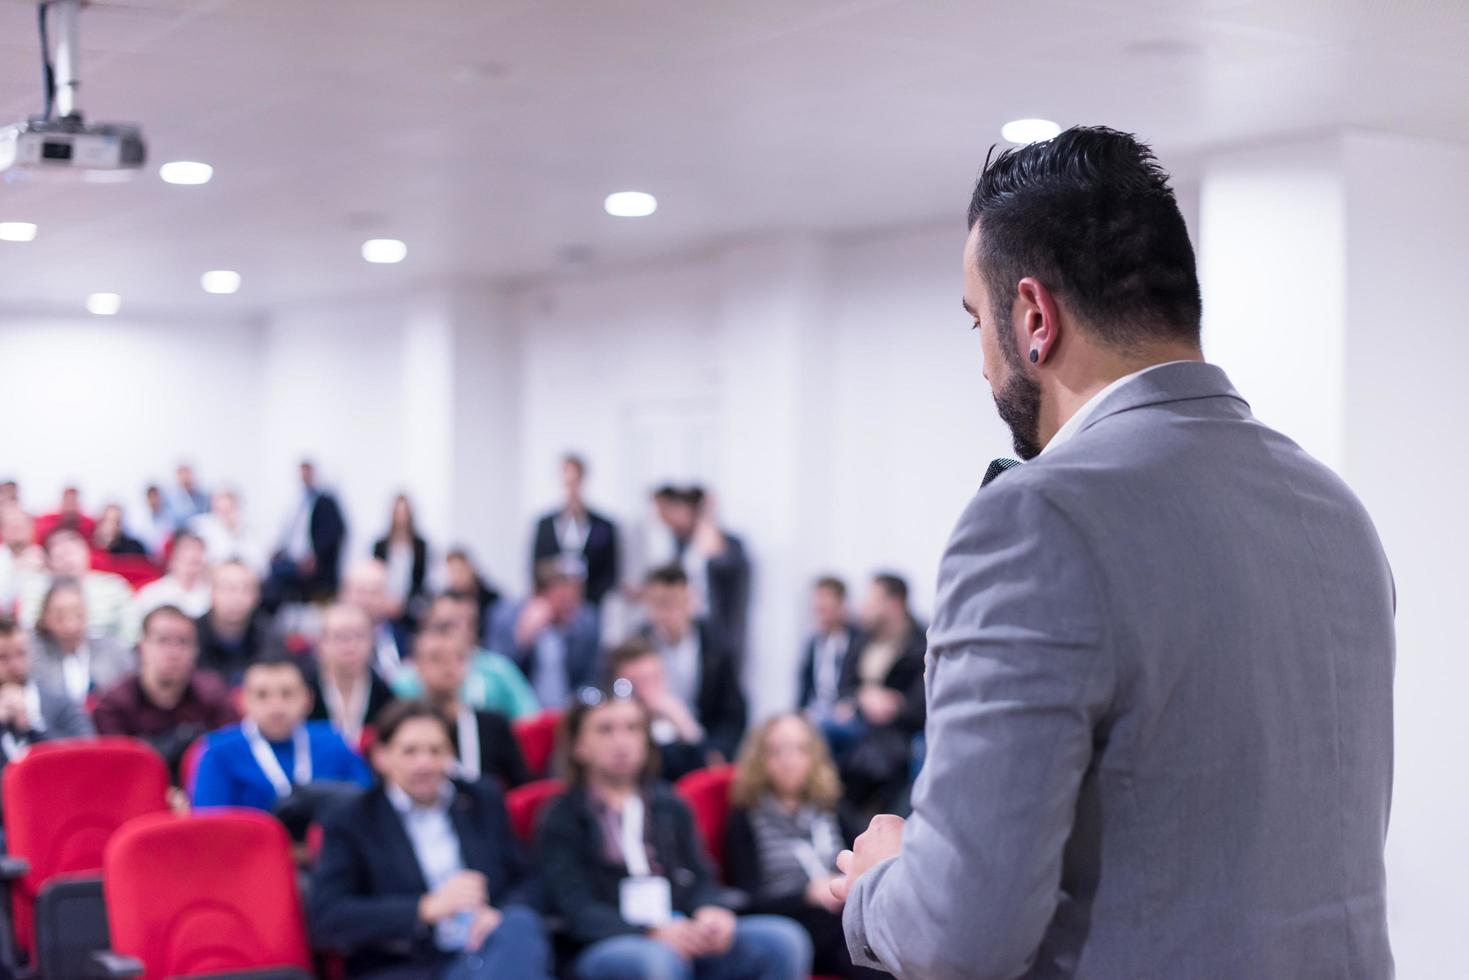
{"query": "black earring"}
pixel 1035 355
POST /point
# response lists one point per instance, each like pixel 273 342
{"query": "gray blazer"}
pixel 61 717
pixel 110 661
pixel 1160 715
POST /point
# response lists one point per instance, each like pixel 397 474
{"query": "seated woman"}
pixel 624 868
pixel 784 834
pixel 275 751
pixel 421 878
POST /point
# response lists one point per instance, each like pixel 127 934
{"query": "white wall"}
pixel 111 404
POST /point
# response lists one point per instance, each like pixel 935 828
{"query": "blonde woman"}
pixel 785 831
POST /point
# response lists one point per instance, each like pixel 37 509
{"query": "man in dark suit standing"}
pixel 308 565
pixel 827 649
pixel 701 668
pixel 579 532
pixel 1160 671
pixel 422 877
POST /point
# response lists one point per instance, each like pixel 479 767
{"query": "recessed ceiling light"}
pixel 104 304
pixel 186 172
pixel 630 204
pixel 384 250
pixel 1029 130
pixel 17 231
pixel 221 282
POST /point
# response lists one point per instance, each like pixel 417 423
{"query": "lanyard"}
pixel 271 766
pixel 634 849
pixel 349 719
pixel 468 744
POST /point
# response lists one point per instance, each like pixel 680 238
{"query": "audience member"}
pixel 494 682
pixel 347 691
pixel 785 831
pixel 167 703
pixel 186 501
pixel 826 650
pixel 107 595
pixel 462 577
pixel 110 535
pixel 422 877
pixel 881 708
pixel 483 742
pixel 713 559
pixel 67 658
pixel 625 870
pixel 307 565
pixel 681 740
pixel 235 631
pixel 365 585
pixel 9 492
pixel 68 516
pixel 30 712
pixel 404 553
pixel 186 585
pixel 576 531
pixel 225 534
pixel 156 527
pixel 553 636
pixel 701 669
pixel 275 750
pixel 20 556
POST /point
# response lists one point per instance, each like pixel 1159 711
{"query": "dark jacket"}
pixel 420 565
pixel 807 680
pixel 364 898
pixel 582 882
pixel 499 752
pixel 599 552
pixel 729 592
pixel 229 659
pixel 328 532
pixel 905 676
pixel 720 706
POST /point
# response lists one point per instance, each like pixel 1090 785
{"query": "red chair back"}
pixel 525 804
pixel 707 793
pixel 537 738
pixel 189 764
pixel 64 800
pixel 204 894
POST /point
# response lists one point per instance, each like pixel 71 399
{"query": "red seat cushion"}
pixel 525 804
pixel 707 793
pixel 537 738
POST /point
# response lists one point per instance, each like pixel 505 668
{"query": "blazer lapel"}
pixel 395 839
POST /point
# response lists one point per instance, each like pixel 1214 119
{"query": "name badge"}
pixel 645 900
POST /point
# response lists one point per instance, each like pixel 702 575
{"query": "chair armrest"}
pixel 115 966
pixel 13 868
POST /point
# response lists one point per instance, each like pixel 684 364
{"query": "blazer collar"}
pixel 1177 382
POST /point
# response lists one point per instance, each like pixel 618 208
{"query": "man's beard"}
pixel 1019 405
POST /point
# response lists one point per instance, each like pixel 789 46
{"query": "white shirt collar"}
pixel 405 804
pixel 1083 414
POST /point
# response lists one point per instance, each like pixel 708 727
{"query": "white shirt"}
pixel 436 846
pixel 400 568
pixel 1083 414
pixel 76 673
pixel 681 660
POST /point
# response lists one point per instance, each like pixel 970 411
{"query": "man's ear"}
pixel 1038 320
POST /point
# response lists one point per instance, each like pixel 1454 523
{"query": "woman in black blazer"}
pixel 786 827
pixel 406 555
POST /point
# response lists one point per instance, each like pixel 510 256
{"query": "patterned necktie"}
pixel 996 468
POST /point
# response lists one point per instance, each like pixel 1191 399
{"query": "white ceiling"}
pixel 486 132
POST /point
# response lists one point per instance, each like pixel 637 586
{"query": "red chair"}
pixel 707 793
pixel 189 764
pixel 537 738
pixel 63 801
pixel 212 895
pixel 525 804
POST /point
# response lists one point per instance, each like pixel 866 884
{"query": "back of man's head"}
pixel 1090 215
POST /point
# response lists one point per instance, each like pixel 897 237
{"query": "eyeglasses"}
pixel 621 690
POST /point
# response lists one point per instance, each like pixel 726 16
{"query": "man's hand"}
pixel 882 840
pixel 534 618
pixel 879 704
pixel 463 891
pixel 684 936
pixel 485 922
pixel 818 893
pixel 718 927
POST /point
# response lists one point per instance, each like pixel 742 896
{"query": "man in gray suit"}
pixel 30 712
pixel 1160 670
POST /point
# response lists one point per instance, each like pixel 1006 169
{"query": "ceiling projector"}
pixel 60 140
